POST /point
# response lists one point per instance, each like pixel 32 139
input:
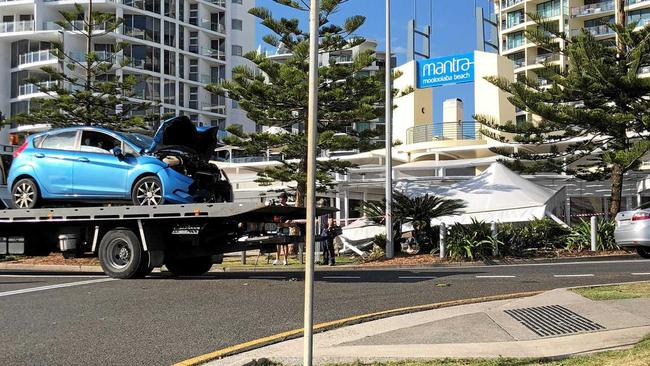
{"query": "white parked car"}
pixel 633 230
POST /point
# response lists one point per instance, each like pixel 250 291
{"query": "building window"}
pixel 237 2
pixel 170 63
pixel 142 27
pixel 170 34
pixel 515 40
pixel 170 8
pixel 194 97
pixel 170 92
pixel 237 24
pixel 194 69
pixel 235 104
pixel 237 50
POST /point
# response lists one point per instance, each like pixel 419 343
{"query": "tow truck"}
pixel 130 241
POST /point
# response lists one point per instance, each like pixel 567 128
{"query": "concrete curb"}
pixel 64 268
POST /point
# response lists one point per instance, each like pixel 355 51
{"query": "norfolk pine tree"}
pixel 276 94
pixel 598 106
pixel 87 91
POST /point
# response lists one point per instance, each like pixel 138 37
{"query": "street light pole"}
pixel 312 132
pixel 390 252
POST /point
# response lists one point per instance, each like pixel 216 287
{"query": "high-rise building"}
pixel 175 47
pixel 571 16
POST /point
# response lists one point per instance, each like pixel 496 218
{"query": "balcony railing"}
pixel 26 89
pixel 36 56
pixel 213 26
pixel 447 131
pixel 211 52
pixel 634 2
pixel 519 63
pixel 510 44
pixel 221 3
pixel 513 21
pixel 341 58
pixel 591 9
pixel 509 3
pixel 597 31
pixel 549 57
pixel 19 26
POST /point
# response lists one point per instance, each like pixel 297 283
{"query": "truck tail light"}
pixel 20 149
pixel 640 216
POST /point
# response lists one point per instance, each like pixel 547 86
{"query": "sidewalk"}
pixel 554 324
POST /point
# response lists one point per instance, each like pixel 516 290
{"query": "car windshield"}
pixel 138 139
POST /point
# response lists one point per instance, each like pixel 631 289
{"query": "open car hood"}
pixel 181 131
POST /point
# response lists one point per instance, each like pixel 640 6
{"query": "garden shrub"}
pixel 580 236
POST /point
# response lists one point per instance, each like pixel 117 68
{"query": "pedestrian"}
pixel 327 236
pixel 285 226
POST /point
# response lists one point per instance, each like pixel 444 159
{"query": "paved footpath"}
pixel 556 323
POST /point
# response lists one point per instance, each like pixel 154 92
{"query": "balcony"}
pixel 19 26
pixel 213 26
pixel 100 56
pixel 593 9
pixel 211 52
pixel 341 58
pixel 549 57
pixel 635 2
pixel 27 89
pixel 221 3
pixel 36 56
pixel 447 131
pixel 513 22
pixel 521 62
pixel 512 44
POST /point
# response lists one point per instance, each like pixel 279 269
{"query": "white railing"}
pixel 551 57
pixel 26 89
pixel 591 9
pixel 36 56
pixel 599 30
pixel 19 26
pixel 211 52
pixel 100 56
pixel 509 3
pixel 213 26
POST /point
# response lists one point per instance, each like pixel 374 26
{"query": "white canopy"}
pixel 496 195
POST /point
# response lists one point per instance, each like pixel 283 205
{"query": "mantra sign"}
pixel 441 71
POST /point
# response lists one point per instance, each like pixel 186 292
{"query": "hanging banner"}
pixel 447 70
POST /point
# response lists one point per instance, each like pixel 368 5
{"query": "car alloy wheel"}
pixel 148 192
pixel 25 194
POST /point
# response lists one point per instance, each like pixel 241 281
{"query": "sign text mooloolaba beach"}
pixel 446 70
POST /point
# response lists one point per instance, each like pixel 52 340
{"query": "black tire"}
pixel 190 266
pixel 144 269
pixel 644 252
pixel 121 254
pixel 147 191
pixel 25 194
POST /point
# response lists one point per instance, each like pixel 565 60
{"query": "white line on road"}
pixel 341 277
pixel 573 275
pixel 496 276
pixel 417 277
pixel 267 277
pixel 640 274
pixel 52 287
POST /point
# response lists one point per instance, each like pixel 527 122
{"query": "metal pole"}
pixel 494 231
pixel 594 228
pixel 390 248
pixel 443 235
pixel 314 13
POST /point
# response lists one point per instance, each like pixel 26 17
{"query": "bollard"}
pixel 594 229
pixel 243 257
pixel 495 249
pixel 443 235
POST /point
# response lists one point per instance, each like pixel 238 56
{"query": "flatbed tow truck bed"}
pixel 132 240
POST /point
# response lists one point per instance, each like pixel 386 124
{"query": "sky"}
pixel 453 31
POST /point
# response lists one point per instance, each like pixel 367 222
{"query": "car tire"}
pixel 25 194
pixel 189 266
pixel 121 254
pixel 148 191
pixel 644 252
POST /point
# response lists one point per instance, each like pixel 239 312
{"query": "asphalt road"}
pixel 91 320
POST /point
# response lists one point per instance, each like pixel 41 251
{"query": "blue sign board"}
pixel 448 70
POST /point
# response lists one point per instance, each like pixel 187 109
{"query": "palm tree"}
pixel 419 211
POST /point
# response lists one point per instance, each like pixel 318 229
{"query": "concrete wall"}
pixel 413 109
pixel 489 100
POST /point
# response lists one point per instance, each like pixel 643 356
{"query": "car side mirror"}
pixel 117 152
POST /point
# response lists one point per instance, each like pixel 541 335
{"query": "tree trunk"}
pixel 301 193
pixel 617 190
pixel 620 20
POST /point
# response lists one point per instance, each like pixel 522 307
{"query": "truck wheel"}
pixel 120 254
pixel 644 252
pixel 144 269
pixel 25 194
pixel 190 266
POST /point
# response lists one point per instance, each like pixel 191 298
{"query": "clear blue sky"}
pixel 453 31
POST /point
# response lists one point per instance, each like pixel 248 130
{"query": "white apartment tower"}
pixel 175 48
pixel 571 16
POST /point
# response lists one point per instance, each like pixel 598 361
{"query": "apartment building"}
pixel 571 16
pixel 175 47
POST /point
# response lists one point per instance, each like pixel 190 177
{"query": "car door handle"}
pixel 83 160
pixel 39 155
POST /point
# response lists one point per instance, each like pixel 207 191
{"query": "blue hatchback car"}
pixel 96 164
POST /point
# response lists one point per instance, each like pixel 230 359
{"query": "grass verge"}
pixel 616 292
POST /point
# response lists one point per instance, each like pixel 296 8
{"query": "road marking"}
pixel 52 287
pixel 341 277
pixel 640 274
pixel 417 277
pixel 267 277
pixel 496 276
pixel 573 275
pixel 292 334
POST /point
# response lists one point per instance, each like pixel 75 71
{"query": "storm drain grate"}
pixel 553 320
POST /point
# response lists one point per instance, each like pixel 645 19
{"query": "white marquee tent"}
pixel 496 195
